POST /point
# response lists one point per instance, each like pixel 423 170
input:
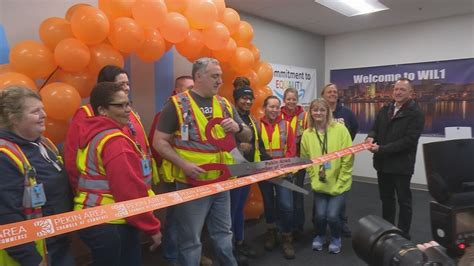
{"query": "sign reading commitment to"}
pixel 300 78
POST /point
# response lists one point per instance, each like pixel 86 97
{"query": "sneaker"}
pixel 245 250
pixel 317 243
pixel 346 232
pixel 334 245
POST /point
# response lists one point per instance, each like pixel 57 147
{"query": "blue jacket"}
pixel 55 183
pixel 346 117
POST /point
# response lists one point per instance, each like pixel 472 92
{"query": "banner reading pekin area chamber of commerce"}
pixel 300 78
pixel 444 90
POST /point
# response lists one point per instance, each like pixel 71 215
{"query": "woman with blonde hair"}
pixel 331 180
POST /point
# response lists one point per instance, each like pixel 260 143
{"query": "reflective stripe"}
pixel 88 109
pixel 256 155
pixel 195 146
pixel 276 148
pixel 90 184
pixel 91 200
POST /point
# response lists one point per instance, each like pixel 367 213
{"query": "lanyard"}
pixel 324 142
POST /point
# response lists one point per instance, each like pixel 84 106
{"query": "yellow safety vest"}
pixel 298 123
pixel 154 168
pixel 278 146
pixel 256 156
pixel 93 185
pixel 197 149
pixel 14 152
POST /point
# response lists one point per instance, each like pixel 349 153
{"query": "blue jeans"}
pixel 113 244
pixel 59 252
pixel 190 218
pixel 285 205
pixel 170 236
pixel 298 202
pixel 328 211
pixel 238 197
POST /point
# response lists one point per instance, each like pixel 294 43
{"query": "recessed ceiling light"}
pixel 352 8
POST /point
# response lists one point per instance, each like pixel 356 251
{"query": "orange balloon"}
pixel 177 5
pixel 220 5
pixel 16 79
pixel 116 8
pixel 126 35
pixel 53 30
pixel 216 36
pixel 242 60
pixel 228 74
pixel 168 45
pixel 252 76
pixel 56 130
pixel 255 193
pixel 153 47
pixel 201 13
pixel 175 29
pixel 253 209
pixel 244 34
pixel 4 68
pixel 191 47
pixel 73 9
pixel 90 25
pixel 60 100
pixel 32 59
pixel 82 81
pixel 224 55
pixel 226 91
pixel 149 13
pixel 102 55
pixel 265 73
pixel 231 20
pixel 255 51
pixel 72 55
pixel 260 95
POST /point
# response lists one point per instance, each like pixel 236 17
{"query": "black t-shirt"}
pixel 249 155
pixel 168 122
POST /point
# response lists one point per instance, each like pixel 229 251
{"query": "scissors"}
pixel 242 166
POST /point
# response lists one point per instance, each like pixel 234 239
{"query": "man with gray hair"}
pixel 180 140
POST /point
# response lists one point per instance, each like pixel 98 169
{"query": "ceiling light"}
pixel 352 8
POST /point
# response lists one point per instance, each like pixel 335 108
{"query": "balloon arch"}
pixel 73 49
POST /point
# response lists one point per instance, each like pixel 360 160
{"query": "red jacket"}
pixel 290 142
pixel 72 141
pixel 123 168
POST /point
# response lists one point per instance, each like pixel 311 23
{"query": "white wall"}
pixel 441 39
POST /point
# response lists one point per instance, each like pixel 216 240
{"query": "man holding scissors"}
pixel 181 140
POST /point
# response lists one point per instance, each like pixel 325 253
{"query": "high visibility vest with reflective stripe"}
pixel 197 149
pixel 154 168
pixel 256 156
pixel 93 185
pixel 298 123
pixel 278 146
pixel 13 151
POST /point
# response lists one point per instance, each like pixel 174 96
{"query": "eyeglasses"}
pixel 122 105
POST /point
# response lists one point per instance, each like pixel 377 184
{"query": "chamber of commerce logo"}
pixel 47 227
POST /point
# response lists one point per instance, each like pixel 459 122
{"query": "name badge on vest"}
pixel 34 196
pixel 146 169
pixel 184 132
pixel 327 165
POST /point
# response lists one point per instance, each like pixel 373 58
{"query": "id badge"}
pixel 36 196
pixel 146 168
pixel 327 165
pixel 184 132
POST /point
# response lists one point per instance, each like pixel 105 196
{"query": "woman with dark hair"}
pixel 113 167
pixel 133 128
pixel 279 142
pixel 30 165
pixel 331 180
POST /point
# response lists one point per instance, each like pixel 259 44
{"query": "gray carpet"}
pixel 363 200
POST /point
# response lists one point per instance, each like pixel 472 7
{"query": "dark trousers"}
pixel 113 244
pixel 389 185
pixel 238 197
pixel 298 202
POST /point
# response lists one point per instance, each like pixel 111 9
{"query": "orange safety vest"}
pixel 93 185
pixel 278 146
pixel 14 152
pixel 90 113
pixel 197 149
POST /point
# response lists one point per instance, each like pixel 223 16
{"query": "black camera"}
pixel 450 178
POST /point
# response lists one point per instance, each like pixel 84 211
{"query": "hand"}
pixel 156 238
pixel 369 139
pixel 423 247
pixel 191 170
pixel 245 147
pixel 374 148
pixel 229 125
